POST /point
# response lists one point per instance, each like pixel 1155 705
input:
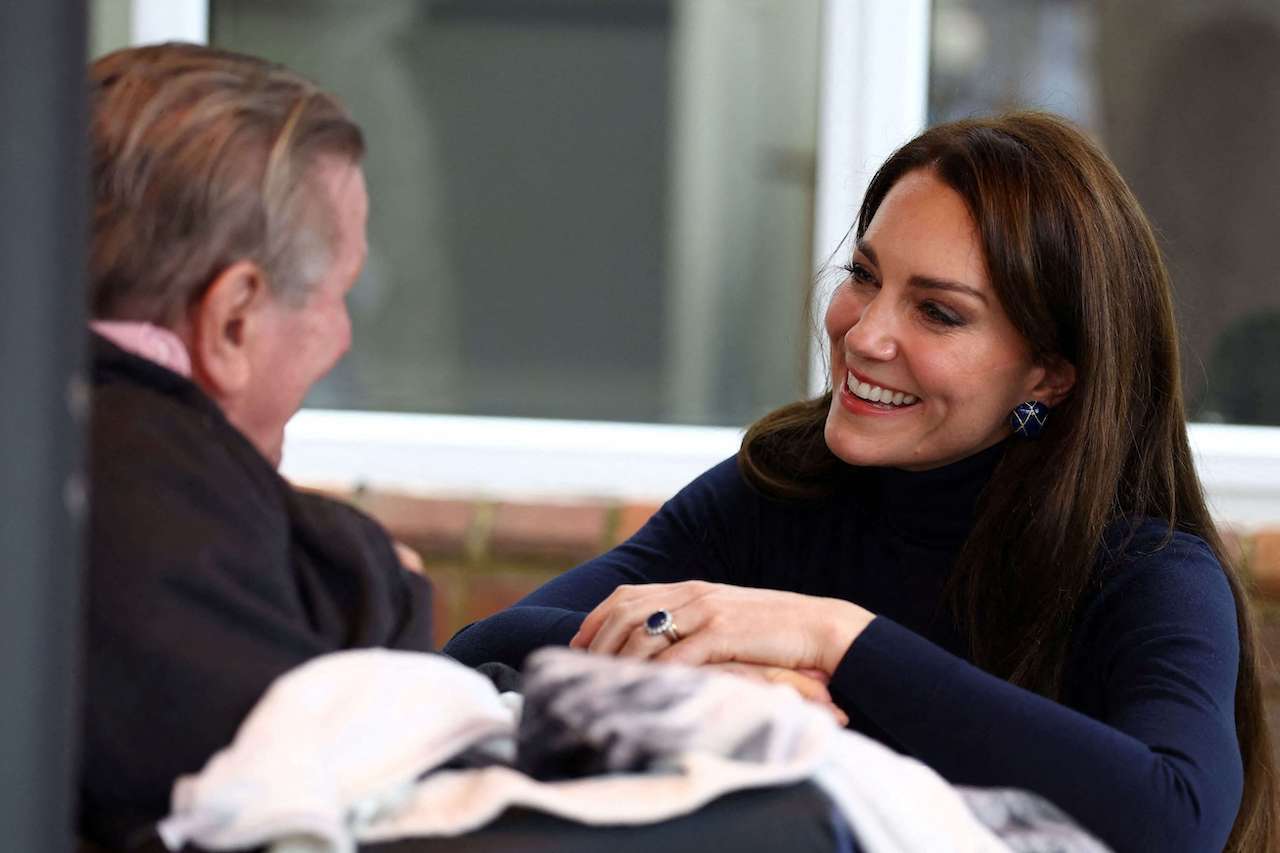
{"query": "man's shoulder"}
pixel 326 518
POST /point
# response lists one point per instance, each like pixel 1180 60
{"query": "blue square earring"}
pixel 1029 418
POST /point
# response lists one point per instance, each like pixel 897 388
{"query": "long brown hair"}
pixel 1076 267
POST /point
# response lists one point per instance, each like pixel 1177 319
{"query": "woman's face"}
pixel 925 365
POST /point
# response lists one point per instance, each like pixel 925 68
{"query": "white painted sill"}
pixel 563 461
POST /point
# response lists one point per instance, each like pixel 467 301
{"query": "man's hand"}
pixel 409 558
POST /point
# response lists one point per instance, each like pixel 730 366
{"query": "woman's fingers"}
pixel 626 624
pixel 624 598
pixel 639 643
pixel 817 674
pixel 606 628
pixel 810 688
pixel 700 647
pixel 841 718
pixel 620 625
pixel 587 630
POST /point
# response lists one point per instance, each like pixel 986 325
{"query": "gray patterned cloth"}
pixel 1029 823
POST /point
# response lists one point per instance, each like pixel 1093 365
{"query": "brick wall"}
pixel 482 556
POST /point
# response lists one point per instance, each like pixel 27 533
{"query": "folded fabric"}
pixel 330 745
pixel 362 745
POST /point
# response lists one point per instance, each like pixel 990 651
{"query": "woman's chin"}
pixel 855 448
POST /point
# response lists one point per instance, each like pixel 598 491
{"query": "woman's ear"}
pixel 220 324
pixel 1058 380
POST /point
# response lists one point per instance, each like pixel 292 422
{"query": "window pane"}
pixel 580 209
pixel 108 26
pixel 1185 97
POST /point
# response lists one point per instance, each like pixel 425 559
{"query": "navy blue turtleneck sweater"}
pixel 1142 751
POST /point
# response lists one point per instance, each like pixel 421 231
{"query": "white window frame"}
pixel 872 99
pixel 168 20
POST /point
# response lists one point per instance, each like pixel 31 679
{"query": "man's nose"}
pixel 874 336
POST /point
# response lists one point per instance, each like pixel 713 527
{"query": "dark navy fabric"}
pixel 1142 751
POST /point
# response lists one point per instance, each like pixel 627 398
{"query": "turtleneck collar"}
pixel 933 508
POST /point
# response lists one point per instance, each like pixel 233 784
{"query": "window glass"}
pixel 1185 97
pixel 579 209
pixel 108 26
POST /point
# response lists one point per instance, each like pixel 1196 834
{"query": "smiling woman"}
pixel 925 367
pixel 1056 615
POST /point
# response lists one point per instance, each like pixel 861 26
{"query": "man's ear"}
pixel 1058 380
pixel 221 325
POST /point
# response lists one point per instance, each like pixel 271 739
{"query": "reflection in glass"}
pixel 580 209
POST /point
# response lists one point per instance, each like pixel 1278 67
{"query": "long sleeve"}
pixel 1156 660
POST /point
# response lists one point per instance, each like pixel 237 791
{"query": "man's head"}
pixel 228 206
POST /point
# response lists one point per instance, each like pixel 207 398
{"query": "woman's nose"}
pixel 873 336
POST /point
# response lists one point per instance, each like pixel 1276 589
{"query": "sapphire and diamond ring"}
pixel 660 622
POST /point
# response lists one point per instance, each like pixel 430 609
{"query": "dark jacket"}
pixel 208 576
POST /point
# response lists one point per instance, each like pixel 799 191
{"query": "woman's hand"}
pixel 718 623
pixel 811 685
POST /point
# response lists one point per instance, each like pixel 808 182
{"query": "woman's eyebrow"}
pixel 926 282
pixel 865 248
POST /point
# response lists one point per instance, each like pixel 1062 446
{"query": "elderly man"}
pixel 229 215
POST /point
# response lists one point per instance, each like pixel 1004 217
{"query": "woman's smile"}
pixel 883 397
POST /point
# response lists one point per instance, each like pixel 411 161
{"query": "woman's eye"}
pixel 859 274
pixel 935 313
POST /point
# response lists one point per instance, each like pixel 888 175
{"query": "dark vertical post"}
pixel 43 203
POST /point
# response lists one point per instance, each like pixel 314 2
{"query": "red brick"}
pixel 1236 542
pixel 489 592
pixel 1271 704
pixel 631 517
pixel 569 533
pixel 1269 659
pixel 1264 563
pixel 447 595
pixel 428 525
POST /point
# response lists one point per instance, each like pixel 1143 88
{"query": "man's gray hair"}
pixel 201 158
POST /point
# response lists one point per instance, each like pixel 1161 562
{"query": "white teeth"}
pixel 876 394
